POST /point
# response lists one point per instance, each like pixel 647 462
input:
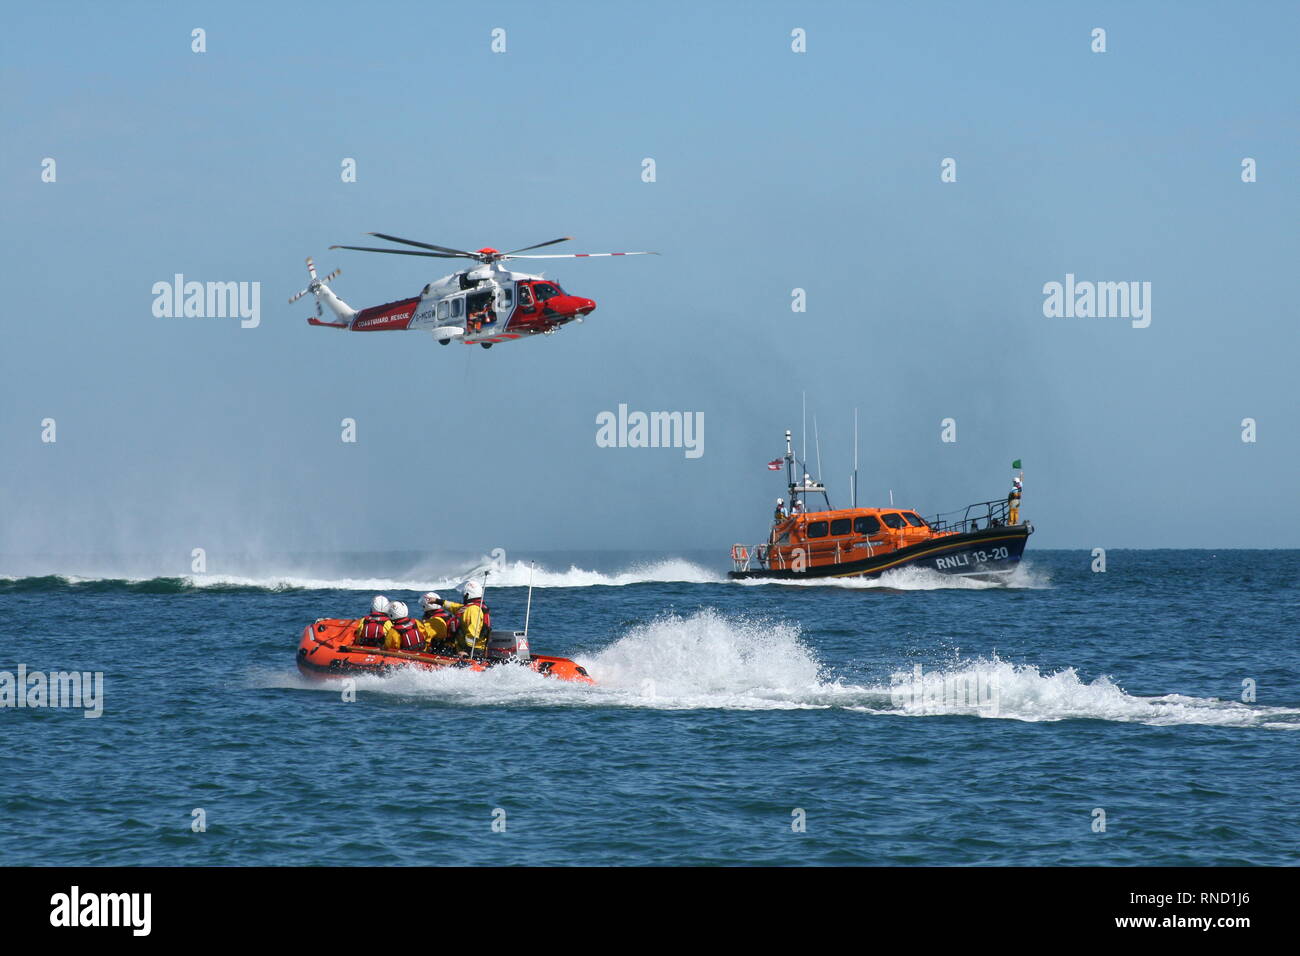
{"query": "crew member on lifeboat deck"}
pixel 372 630
pixel 405 634
pixel 439 624
pixel 473 620
pixel 1013 500
pixel 779 516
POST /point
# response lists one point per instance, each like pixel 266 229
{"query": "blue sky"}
pixel 775 170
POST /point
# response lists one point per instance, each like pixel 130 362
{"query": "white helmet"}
pixel 780 501
pixel 430 600
pixel 473 590
pixel 397 610
pixel 379 605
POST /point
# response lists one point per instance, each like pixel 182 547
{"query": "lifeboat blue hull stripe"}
pixel 925 553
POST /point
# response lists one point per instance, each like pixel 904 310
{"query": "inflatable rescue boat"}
pixel 327 649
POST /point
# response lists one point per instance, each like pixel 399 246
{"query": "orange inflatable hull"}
pixel 327 650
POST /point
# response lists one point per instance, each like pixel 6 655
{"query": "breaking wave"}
pixel 671 570
pixel 518 574
pixel 511 575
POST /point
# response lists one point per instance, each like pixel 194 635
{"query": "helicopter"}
pixel 483 305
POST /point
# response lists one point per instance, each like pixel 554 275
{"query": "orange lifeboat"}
pixel 327 650
pixel 985 539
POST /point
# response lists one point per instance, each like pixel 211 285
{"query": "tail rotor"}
pixel 315 285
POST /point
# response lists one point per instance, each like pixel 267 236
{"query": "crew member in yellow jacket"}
pixel 406 633
pixel 474 621
pixel 439 624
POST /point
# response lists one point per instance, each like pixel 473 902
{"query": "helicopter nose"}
pixel 577 306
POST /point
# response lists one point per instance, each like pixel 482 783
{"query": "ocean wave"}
pixel 667 571
pixel 518 574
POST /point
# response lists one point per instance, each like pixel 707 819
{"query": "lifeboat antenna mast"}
pixel 817 443
pixel 803 430
pixel 855 458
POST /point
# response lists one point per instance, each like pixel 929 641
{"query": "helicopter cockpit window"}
pixel 545 291
pixel 525 297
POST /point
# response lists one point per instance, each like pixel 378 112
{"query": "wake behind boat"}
pixel 985 539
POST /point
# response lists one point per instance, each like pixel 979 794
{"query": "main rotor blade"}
pixel 582 255
pixel 404 252
pixel 539 245
pixel 426 245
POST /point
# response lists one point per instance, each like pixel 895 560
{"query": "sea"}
pixel 1140 712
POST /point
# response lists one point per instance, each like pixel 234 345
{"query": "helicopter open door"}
pixel 480 311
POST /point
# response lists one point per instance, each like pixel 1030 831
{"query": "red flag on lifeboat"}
pixel 774 464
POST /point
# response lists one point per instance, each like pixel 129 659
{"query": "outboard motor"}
pixel 508 646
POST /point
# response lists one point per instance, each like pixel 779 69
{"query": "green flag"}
pixel 1016 463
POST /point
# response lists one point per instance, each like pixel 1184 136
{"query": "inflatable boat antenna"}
pixel 528 610
pixel 486 572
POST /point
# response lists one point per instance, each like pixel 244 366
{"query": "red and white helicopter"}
pixel 484 304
